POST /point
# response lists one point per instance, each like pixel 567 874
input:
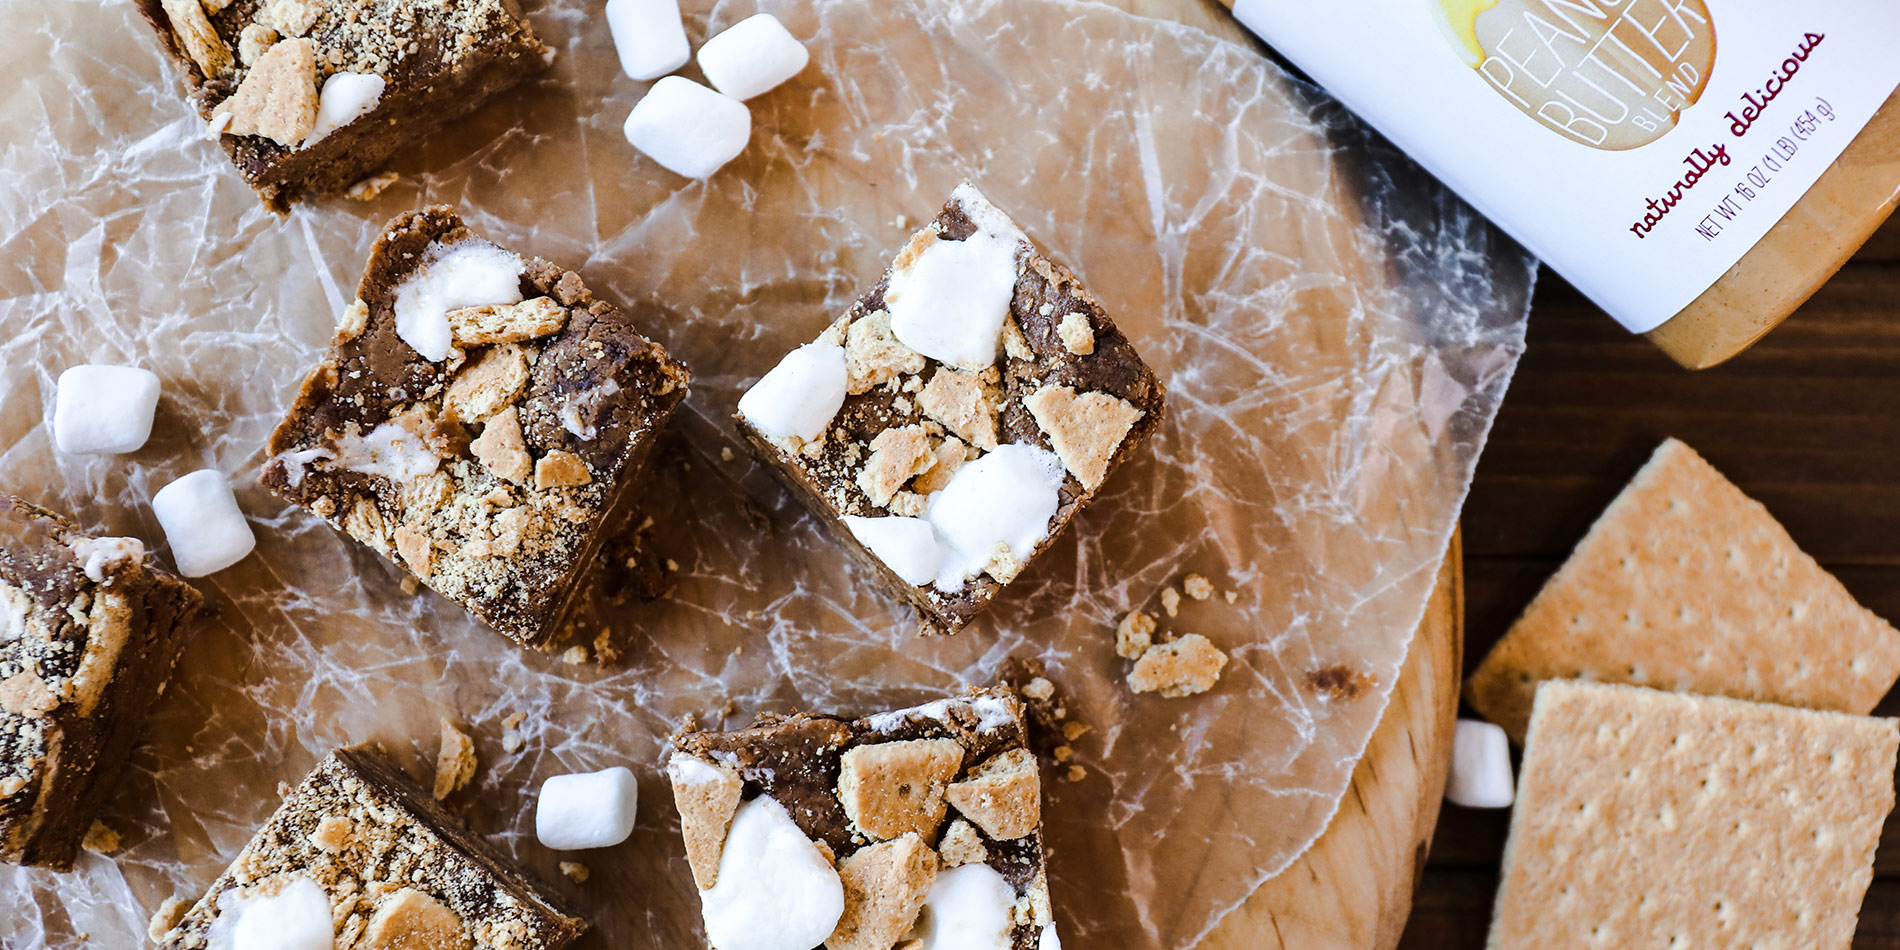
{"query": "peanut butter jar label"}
pixel 1640 147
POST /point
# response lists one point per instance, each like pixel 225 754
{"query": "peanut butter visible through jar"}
pixel 1830 222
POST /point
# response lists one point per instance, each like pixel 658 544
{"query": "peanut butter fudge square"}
pixel 868 834
pixel 311 96
pixel 959 415
pixel 480 420
pixel 88 634
pixel 360 856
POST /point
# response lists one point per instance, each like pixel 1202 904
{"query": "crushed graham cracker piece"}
pixel 884 890
pixel 415 548
pixel 1231 596
pixel 502 449
pixel 1063 754
pixel 409 585
pixel 1077 333
pixel 1171 601
pixel 351 323
pixel 100 839
pixel 332 834
pixel 454 761
pixel 948 456
pixel 506 323
pixel 1039 688
pixel 511 738
pixel 575 871
pixel 896 455
pixel 574 655
pixel 278 97
pixel 1072 731
pixel 1134 635
pixel 1003 796
pixel 369 189
pixel 1085 430
pixel 963 404
pixel 604 651
pixel 1181 667
pixel 890 788
pixel 1076 773
pixel 412 920
pixel 873 355
pixel 254 41
pixel 961 845
pixel 25 694
pixel 487 385
pixel 1197 587
pixel 290 17
pixel 559 469
pixel 908 504
pixel 197 37
pixel 1014 343
pixel 170 911
pixel 706 803
pixel 1003 564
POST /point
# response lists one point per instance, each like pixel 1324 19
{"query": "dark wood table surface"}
pixel 1808 422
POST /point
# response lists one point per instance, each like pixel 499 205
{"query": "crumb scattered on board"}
pixel 167 916
pixel 454 762
pixel 511 738
pixel 576 654
pixel 575 871
pixel 1165 663
pixel 100 839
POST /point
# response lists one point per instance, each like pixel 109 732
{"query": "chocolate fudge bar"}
pixel 88 634
pixel 384 866
pixel 311 96
pixel 925 817
pixel 480 420
pixel 959 415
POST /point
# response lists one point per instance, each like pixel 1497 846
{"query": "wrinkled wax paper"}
pixel 1334 333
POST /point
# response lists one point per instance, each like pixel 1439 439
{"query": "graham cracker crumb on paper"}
pixel 371 188
pixel 454 761
pixel 963 404
pixel 170 911
pixel 1182 667
pixel 1077 333
pixel 575 871
pixel 1085 429
pixel 884 890
pixel 896 455
pixel 1686 583
pixel 199 40
pixel 1072 731
pixel 1171 601
pixel 1076 773
pixel 1735 824
pixel 605 654
pixel 1134 635
pixel 409 585
pixel 575 655
pixel 1197 587
pixel 278 97
pixel 890 788
pixel 100 839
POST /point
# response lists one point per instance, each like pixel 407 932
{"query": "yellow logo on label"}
pixel 1611 74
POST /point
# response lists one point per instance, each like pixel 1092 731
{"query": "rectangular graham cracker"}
pixel 1660 820
pixel 1685 583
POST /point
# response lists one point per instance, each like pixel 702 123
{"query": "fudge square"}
pixel 311 96
pixel 1658 820
pixel 88 634
pixel 359 855
pixel 959 415
pixel 868 834
pixel 480 420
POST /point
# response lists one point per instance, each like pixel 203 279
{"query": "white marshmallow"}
pixel 684 769
pixel 345 97
pixel 908 545
pixel 1049 940
pixel 800 395
pixel 95 553
pixel 967 909
pixel 950 303
pixel 689 129
pixel 1007 496
pixel 775 890
pixel 1480 766
pixel 388 450
pixel 104 410
pixel 752 56
pixel 586 810
pixel 469 274
pixel 298 917
pixel 649 37
pixel 203 524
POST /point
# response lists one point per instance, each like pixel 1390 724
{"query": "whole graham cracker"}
pixel 1685 583
pixel 1647 819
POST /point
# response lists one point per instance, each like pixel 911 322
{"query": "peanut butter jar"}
pixel 1698 168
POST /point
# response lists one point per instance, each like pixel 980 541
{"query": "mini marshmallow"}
pixel 203 524
pixel 800 395
pixel 469 274
pixel 967 909
pixel 775 890
pixel 1049 940
pixel 104 410
pixel 907 545
pixel 1005 497
pixel 1480 766
pixel 345 97
pixel 649 37
pixel 95 554
pixel 752 56
pixel 689 129
pixel 586 810
pixel 298 917
pixel 950 303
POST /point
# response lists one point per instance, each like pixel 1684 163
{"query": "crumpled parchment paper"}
pixel 1334 332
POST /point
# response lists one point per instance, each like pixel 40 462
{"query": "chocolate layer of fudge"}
pixel 362 850
pixel 311 96
pixel 89 631
pixel 978 396
pixel 929 817
pixel 480 420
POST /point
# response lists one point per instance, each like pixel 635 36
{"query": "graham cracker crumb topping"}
pixel 963 403
pixel 501 448
pixel 896 456
pixel 1003 796
pixel 412 920
pixel 487 385
pixel 278 97
pixel 890 788
pixel 559 469
pixel 961 845
pixel 1085 430
pixel 884 889
pixel 507 323
pixel 1077 333
pixel 706 809
pixel 197 38
pixel 873 355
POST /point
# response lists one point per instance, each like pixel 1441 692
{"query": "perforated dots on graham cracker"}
pixel 1685 583
pixel 1653 819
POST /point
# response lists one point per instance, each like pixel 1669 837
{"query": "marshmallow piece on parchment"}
pixel 752 56
pixel 689 129
pixel 586 810
pixel 800 395
pixel 297 917
pixel 104 410
pixel 203 524
pixel 907 546
pixel 1480 766
pixel 649 37
pixel 776 890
